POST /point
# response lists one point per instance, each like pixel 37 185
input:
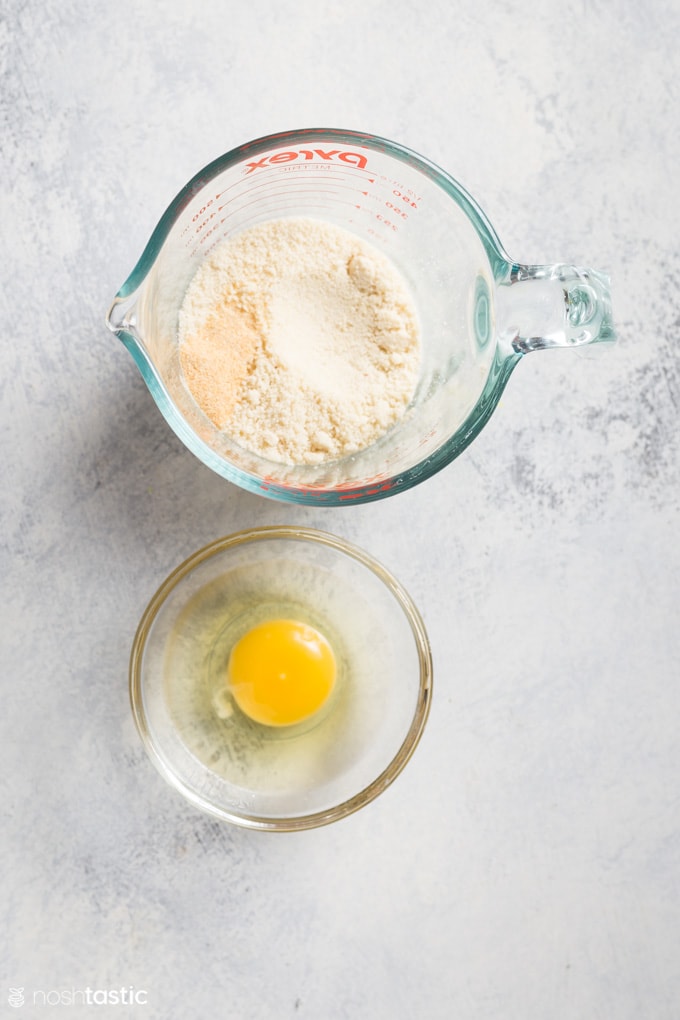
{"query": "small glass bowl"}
pixel 280 778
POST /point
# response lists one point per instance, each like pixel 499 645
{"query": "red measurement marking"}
pixel 386 222
pixel 245 194
pixel 305 170
pixel 258 206
pixel 248 188
pixel 402 189
pixel 303 191
pixel 404 198
pixel 309 168
pixel 264 202
pixel 397 211
pixel 288 186
pixel 385 487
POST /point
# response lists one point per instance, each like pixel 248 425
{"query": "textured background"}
pixel 526 864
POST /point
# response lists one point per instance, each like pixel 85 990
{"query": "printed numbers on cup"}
pixel 387 223
pixel 202 210
pixel 397 210
pixel 404 198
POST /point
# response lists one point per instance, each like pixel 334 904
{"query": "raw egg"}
pixel 281 672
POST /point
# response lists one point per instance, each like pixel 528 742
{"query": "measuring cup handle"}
pixel 538 307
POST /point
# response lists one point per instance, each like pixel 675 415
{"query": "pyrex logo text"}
pixel 354 158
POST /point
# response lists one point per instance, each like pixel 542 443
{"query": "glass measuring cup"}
pixel 480 312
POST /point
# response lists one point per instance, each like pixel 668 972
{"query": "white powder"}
pixel 300 340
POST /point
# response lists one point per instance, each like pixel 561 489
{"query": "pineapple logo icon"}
pixel 16 997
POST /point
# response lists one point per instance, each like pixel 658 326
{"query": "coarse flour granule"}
pixel 300 340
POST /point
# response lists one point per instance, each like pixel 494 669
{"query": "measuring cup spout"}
pixel 125 318
pixel 122 316
pixel 553 306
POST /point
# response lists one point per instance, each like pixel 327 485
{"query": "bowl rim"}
pixel 294 823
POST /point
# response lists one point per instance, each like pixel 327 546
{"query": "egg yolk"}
pixel 281 672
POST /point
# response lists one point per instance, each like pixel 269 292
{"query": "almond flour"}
pixel 300 340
